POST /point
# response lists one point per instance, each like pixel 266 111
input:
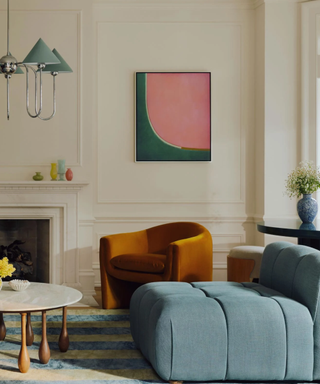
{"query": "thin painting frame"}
pixel 173 116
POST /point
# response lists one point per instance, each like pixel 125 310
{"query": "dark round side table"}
pixel 307 234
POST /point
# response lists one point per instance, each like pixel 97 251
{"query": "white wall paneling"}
pixel 251 48
pixel 310 69
pixel 309 53
pixel 161 40
pixel 167 40
pixel 175 36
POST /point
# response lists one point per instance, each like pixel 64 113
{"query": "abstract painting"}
pixel 173 116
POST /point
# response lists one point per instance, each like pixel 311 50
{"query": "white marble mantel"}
pixel 58 202
pixel 42 185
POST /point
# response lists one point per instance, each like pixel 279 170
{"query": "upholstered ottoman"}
pixel 235 331
pixel 244 263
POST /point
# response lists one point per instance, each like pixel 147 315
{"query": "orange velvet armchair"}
pixel 179 251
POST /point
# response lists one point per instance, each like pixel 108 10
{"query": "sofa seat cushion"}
pixel 140 262
pixel 224 288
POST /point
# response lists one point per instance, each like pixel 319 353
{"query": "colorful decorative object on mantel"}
pixel 37 176
pixel 6 269
pixel 304 180
pixel 61 169
pixel 54 172
pixel 69 174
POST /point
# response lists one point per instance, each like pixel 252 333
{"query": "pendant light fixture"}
pixel 44 60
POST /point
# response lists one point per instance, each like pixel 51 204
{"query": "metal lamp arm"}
pixel 54 74
pixel 27 67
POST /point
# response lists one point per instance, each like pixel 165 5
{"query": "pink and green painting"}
pixel 173 116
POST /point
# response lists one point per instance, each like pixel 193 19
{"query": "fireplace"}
pixel 55 202
pixel 26 244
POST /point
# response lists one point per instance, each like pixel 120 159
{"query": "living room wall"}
pixel 176 36
pixel 106 42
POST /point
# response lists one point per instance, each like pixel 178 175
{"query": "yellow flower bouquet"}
pixel 6 269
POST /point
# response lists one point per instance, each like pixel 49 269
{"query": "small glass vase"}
pixel 69 174
pixel 38 176
pixel 61 169
pixel 307 208
pixel 54 172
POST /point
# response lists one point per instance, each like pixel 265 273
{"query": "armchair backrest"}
pixel 161 236
pixel 293 270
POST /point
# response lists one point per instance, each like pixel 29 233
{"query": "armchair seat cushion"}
pixel 140 262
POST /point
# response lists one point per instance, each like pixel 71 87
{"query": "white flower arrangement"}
pixel 303 180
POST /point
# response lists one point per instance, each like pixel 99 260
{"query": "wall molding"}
pixel 226 219
pixel 219 265
pixel 241 122
pixel 180 201
pixel 230 4
pixel 189 4
pixel 309 13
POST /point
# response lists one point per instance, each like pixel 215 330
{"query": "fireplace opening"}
pixel 26 244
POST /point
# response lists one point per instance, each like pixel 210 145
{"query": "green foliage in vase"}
pixel 305 179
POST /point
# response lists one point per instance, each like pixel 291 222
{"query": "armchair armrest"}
pixel 114 245
pixel 190 255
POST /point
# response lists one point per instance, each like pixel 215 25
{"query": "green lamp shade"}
pixel 41 54
pixel 63 67
pixel 19 71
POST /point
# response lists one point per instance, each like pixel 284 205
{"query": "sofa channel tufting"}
pixel 206 331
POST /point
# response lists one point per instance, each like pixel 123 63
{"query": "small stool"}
pixel 244 263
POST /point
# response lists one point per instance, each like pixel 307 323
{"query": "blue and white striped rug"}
pixel 101 350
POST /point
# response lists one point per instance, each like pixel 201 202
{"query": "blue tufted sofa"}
pixel 208 331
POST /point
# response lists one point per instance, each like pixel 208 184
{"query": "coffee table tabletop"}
pixel 37 297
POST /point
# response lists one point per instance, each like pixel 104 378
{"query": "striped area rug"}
pixel 101 350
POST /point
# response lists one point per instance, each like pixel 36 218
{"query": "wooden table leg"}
pixel 64 337
pixel 30 336
pixel 44 350
pixel 24 359
pixel 3 330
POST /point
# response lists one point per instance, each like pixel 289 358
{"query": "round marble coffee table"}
pixel 37 297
